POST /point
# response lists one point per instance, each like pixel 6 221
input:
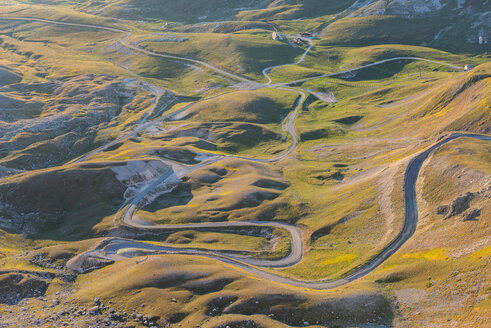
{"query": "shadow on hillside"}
pixel 178 197
pixel 379 72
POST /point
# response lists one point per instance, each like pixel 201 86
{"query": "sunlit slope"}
pixel 222 296
pixel 187 10
pixel 258 106
pixel 407 106
pixel 242 52
pixel 447 258
pixel 229 190
pixel 354 153
pixel 459 104
pixel 64 91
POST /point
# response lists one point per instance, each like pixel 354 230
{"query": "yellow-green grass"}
pixel 445 256
pixel 218 240
pixel 336 59
pixel 463 157
pixel 258 106
pixel 304 175
pixel 245 52
pixel 346 224
pixel 376 29
pixel 260 141
pixel 264 246
pixel 88 51
pixel 295 10
pixel 62 13
pixel 76 44
pixel 188 11
pixel 229 190
pixel 194 287
pixel 385 107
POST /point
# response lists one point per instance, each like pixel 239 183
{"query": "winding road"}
pixel 111 248
pixel 459 68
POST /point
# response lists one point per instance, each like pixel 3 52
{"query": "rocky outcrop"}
pixel 87 262
pixel 47 123
pixel 462 205
pixel 472 215
pixel 15 286
pixel 458 206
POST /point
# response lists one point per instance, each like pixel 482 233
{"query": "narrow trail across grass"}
pixel 268 70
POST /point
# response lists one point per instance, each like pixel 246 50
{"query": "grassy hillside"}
pixel 244 52
pixel 57 204
pixel 187 10
pixel 259 106
pixel 448 252
pixel 64 91
pixel 229 190
pixel 362 31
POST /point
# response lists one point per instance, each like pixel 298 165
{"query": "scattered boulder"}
pixel 95 310
pixel 442 210
pixel 458 206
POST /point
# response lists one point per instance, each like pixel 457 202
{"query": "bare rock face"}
pixel 87 262
pixel 460 204
pixel 442 210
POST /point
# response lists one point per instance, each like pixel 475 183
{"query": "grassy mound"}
pixel 260 106
pixel 229 190
pixel 229 137
pixel 7 76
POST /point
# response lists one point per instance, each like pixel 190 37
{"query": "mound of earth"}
pixel 220 136
pixel 259 106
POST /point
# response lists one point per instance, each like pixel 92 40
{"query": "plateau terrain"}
pixel 245 163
